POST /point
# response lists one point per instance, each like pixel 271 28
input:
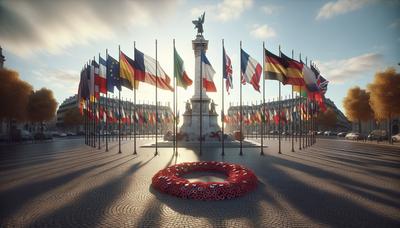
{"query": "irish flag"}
pixel 180 74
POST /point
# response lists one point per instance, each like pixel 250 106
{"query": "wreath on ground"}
pixel 239 181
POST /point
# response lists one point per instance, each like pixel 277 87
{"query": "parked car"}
pixel 354 136
pixel 329 133
pixel 342 134
pixel 378 135
pixel 26 135
pixel 273 132
pixel 43 136
pixel 396 138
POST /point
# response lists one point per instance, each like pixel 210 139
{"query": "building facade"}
pixel 289 122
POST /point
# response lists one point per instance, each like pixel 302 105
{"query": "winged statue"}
pixel 199 24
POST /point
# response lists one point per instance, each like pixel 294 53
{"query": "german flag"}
pixel 294 71
pixel 127 72
pixel 275 67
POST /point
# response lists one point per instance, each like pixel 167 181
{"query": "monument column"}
pixel 191 117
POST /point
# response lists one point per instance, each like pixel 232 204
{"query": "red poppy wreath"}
pixel 239 181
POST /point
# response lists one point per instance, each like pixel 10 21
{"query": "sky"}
pixel 48 42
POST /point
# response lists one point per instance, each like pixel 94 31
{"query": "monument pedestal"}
pixel 191 117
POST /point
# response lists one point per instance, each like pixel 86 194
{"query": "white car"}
pixel 396 138
pixel 353 136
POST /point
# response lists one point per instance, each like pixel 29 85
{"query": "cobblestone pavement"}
pixel 67 184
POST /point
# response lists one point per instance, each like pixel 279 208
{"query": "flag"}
pixel 294 71
pixel 112 74
pixel 182 79
pixel 101 80
pixel 250 70
pixel 208 74
pixel 275 67
pixel 310 79
pixel 127 72
pixel 93 71
pixel 145 71
pixel 227 68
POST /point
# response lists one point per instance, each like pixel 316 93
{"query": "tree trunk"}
pixel 359 126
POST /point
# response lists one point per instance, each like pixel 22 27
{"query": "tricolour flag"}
pixel 275 67
pixel 310 79
pixel 294 71
pixel 227 68
pixel 93 88
pixel 127 72
pixel 101 80
pixel 208 74
pixel 145 71
pixel 182 79
pixel 112 74
pixel 250 70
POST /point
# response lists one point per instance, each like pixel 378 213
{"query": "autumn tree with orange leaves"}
pixel 356 105
pixel 385 96
pixel 42 106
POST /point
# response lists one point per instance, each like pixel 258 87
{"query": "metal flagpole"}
pixel 173 103
pixel 279 105
pixel 291 113
pixel 85 119
pixel 222 90
pixel 176 118
pixel 201 98
pixel 306 120
pixel 94 107
pixel 134 109
pixel 156 151
pixel 98 109
pixel 241 108
pixel 119 106
pixel 106 104
pixel 263 104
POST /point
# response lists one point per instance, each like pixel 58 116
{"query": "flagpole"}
pixel 201 98
pixel 98 108
pixel 222 90
pixel 306 120
pixel 279 105
pixel 176 114
pixel 263 104
pixel 134 108
pixel 241 108
pixel 156 151
pixel 292 110
pixel 94 106
pixel 106 103
pixel 173 103
pixel 85 119
pixel 119 105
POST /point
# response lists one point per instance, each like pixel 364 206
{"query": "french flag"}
pixel 251 70
pixel 145 71
pixel 208 74
pixel 101 80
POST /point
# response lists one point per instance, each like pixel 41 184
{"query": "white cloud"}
pixel 46 26
pixel 340 71
pixel 338 7
pixel 262 31
pixel 395 24
pixel 271 9
pixel 226 10
pixel 66 80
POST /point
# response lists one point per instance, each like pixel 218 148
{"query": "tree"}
pixel 14 95
pixel 73 117
pixel 356 105
pixel 14 98
pixel 42 106
pixel 385 95
pixel 327 119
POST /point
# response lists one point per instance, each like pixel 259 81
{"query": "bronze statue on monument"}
pixel 199 24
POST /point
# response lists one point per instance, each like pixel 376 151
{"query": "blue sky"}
pixel 48 42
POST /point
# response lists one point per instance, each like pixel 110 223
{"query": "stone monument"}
pixel 191 116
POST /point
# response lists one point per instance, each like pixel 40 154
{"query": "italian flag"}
pixel 180 74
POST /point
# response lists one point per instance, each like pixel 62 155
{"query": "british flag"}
pixel 227 71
